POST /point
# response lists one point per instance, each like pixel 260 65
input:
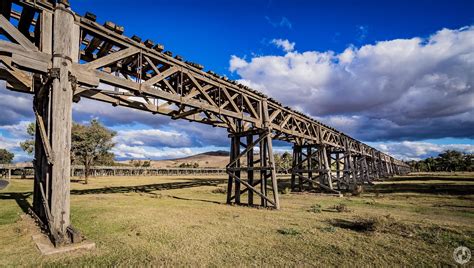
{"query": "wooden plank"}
pixel 85 76
pixel 249 105
pixel 46 42
pixel 44 138
pixel 11 48
pixel 187 113
pixel 31 64
pixel 111 58
pixel 159 77
pixel 15 78
pixel 230 100
pixel 14 33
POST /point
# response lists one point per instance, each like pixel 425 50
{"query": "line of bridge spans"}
pixel 60 56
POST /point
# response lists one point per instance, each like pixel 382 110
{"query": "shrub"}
pixel 288 231
pixel 341 207
pixel 315 208
pixel 357 190
pixel 286 191
pixel 219 190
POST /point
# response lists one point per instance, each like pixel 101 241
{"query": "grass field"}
pixel 183 221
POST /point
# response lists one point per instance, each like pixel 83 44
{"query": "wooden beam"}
pixel 14 33
pixel 159 77
pixel 111 58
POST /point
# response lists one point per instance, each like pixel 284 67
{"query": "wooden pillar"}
pixel 230 181
pixel 299 165
pixel 338 170
pixel 65 44
pixel 349 170
pixel 53 109
pixel 237 173
pixel 250 172
pixel 296 180
pixel 293 165
pixel 309 161
pixel 263 173
pixel 276 198
pixel 325 166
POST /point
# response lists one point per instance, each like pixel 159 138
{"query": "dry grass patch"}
pixel 183 221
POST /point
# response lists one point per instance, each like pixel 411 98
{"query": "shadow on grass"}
pixel 434 178
pixel 150 187
pixel 20 198
pixel 192 199
pixel 353 225
pixel 3 184
pixel 425 188
pixel 427 184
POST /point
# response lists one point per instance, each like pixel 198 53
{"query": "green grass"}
pixel 183 221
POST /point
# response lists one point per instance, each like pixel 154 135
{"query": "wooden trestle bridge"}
pixel 48 50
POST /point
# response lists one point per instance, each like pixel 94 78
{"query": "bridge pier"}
pixel 242 174
pixel 308 160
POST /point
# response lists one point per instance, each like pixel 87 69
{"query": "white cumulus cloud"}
pixel 402 89
pixel 408 150
pixel 284 44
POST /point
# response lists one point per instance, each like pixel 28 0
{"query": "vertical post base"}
pixel 242 180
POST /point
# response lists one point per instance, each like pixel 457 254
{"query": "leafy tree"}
pixel 29 145
pixel 283 162
pixel 449 160
pixel 6 157
pixel 91 144
pixel 136 163
pixel 146 163
pixel 189 165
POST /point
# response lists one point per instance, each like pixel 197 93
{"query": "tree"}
pixel 6 157
pixel 449 160
pixel 91 144
pixel 29 145
pixel 283 162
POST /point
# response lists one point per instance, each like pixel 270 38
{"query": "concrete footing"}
pixel 47 248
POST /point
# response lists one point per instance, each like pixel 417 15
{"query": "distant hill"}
pixel 215 159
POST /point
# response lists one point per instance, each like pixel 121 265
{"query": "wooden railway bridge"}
pixel 48 50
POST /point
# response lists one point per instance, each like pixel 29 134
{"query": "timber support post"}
pixel 53 110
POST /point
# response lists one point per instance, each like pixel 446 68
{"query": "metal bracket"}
pixel 73 81
pixel 54 73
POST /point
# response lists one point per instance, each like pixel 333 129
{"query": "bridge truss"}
pixel 48 50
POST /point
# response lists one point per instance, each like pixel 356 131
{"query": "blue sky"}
pixel 395 74
pixel 210 31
